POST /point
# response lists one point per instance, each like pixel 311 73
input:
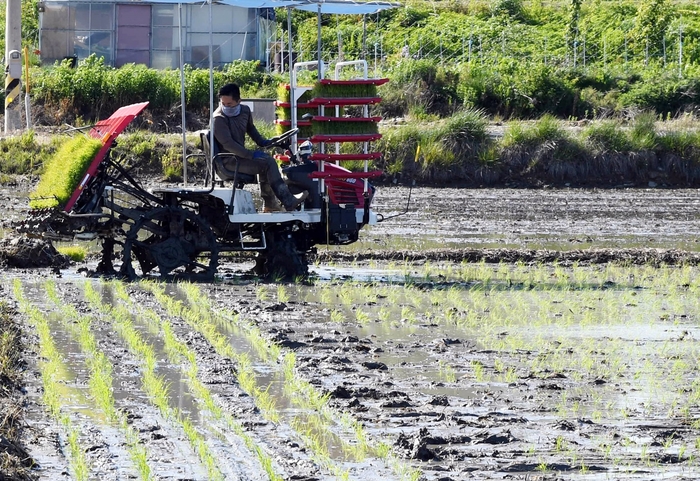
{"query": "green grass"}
pixel 25 153
pixel 74 253
pixel 64 171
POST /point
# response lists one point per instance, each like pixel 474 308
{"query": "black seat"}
pixel 218 157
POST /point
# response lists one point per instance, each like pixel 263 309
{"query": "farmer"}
pixel 232 121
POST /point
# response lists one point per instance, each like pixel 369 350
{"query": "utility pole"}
pixel 13 64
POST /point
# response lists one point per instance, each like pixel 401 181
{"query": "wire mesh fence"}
pixel 452 49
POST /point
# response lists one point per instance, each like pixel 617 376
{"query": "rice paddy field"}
pixel 402 358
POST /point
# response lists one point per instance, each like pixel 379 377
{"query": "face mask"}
pixel 231 111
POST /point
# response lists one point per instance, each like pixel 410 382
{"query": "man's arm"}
pixel 223 135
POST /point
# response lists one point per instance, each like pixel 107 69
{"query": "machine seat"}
pixel 222 172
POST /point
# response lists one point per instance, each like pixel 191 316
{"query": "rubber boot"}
pixel 270 202
pixel 289 201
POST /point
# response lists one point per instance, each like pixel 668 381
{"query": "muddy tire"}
pixel 282 260
pixel 173 240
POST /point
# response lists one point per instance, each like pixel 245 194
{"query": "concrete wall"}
pixel 263 109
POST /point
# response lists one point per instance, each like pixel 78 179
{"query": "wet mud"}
pixel 444 403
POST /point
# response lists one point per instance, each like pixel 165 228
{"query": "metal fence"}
pixel 452 49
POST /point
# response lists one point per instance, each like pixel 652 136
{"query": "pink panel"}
pixel 134 15
pixel 133 38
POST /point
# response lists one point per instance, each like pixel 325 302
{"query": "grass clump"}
pixel 64 171
pixel 547 128
pixel 607 136
pixel 139 147
pixel 21 154
pixel 643 133
pixel 74 253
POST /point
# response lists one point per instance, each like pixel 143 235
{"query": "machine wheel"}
pixel 281 260
pixel 176 241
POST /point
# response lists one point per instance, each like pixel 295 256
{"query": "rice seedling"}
pixel 337 316
pixel 52 369
pixel 282 293
pixel 154 385
pixel 478 369
pixel 262 294
pixel 64 171
pixel 446 372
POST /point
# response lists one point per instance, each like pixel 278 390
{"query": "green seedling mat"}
pixel 64 171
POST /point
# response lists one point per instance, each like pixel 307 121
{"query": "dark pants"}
pixel 265 167
pixel 268 175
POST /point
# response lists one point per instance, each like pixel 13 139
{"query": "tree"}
pixel 653 18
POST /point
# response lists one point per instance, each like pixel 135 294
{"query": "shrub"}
pixel 686 144
pixel 424 83
pixel 171 163
pixel 136 148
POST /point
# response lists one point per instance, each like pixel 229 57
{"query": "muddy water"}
pixel 517 218
pixel 533 219
pixel 530 380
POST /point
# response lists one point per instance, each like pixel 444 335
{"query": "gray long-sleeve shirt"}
pixel 230 132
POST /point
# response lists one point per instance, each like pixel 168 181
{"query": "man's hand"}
pixel 259 154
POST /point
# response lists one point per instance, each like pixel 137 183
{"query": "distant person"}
pixel 232 121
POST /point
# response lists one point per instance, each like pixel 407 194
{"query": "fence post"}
pixel 680 48
pixel 441 58
pixel 646 52
pixel 663 46
pixel 605 52
pixel 375 58
pixel 545 51
pixel 481 50
pixel 470 48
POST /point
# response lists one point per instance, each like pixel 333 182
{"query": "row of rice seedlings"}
pixel 178 350
pixel 649 291
pixel 304 394
pixel 100 378
pixel 154 385
pixel 485 314
pixel 53 371
pixel 315 434
pixel 205 326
